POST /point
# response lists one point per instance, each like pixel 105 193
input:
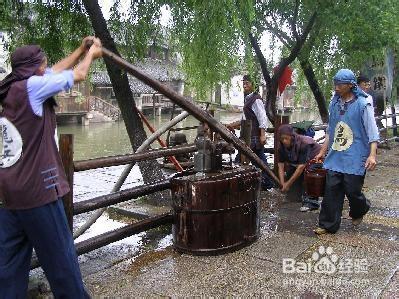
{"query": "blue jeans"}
pixel 44 228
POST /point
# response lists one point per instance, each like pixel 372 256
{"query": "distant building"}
pixel 159 66
pixel 232 94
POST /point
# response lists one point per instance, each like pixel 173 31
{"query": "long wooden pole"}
pixel 191 108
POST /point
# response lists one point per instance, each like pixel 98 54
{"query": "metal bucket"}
pixel 216 213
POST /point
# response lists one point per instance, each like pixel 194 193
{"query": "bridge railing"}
pixel 97 104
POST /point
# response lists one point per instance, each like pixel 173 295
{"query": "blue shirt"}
pixel 349 141
pixel 40 88
pixel 367 118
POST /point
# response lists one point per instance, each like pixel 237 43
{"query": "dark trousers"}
pixel 267 181
pixel 337 186
pixel 45 229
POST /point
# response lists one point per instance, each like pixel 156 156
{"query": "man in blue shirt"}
pixel 32 179
pixel 351 141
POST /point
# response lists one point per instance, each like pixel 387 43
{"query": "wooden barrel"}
pixel 216 213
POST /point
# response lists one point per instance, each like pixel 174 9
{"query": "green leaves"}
pixel 212 36
pixel 57 26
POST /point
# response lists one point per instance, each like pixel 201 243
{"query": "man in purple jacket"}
pixel 32 179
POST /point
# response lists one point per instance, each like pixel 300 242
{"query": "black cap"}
pixel 247 78
pixel 362 78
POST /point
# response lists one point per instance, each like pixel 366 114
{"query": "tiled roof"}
pixel 161 70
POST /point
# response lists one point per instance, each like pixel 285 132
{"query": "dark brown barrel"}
pixel 216 213
pixel 315 179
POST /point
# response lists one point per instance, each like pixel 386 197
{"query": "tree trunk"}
pixel 314 86
pixel 271 100
pixel 150 170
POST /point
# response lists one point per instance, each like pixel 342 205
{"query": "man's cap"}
pixel 247 78
pixel 344 76
pixel 362 78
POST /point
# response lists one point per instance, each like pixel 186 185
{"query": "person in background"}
pixel 364 83
pixel 294 152
pixel 32 178
pixel 254 110
pixel 351 143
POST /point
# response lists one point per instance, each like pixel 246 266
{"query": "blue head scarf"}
pixel 345 76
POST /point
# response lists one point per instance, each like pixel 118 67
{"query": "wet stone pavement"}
pixel 288 260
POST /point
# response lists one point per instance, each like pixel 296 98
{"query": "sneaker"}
pixel 307 208
pixel 304 209
pixel 320 231
pixel 357 221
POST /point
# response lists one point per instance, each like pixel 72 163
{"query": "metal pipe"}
pixel 172 114
pixel 136 157
pixel 129 167
pixel 160 141
pixel 190 107
pixel 118 234
pixel 184 129
pixel 162 130
pixel 118 197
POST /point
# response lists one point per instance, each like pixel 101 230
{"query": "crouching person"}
pixel 294 152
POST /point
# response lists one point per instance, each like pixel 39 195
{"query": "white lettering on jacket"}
pixel 10 142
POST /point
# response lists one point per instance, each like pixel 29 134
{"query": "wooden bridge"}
pixel 154 104
pixel 72 110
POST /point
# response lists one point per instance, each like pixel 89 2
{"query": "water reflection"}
pixel 106 139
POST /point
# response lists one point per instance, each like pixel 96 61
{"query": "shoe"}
pixel 307 208
pixel 304 209
pixel 357 221
pixel 320 231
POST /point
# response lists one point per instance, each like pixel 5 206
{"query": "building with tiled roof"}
pixel 159 66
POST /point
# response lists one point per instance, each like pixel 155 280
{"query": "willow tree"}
pixel 349 35
pixel 58 26
pixel 212 36
pixel 344 34
pixel 322 35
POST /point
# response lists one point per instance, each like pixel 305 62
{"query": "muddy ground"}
pixel 366 258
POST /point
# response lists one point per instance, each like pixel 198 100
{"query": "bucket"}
pixel 315 178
